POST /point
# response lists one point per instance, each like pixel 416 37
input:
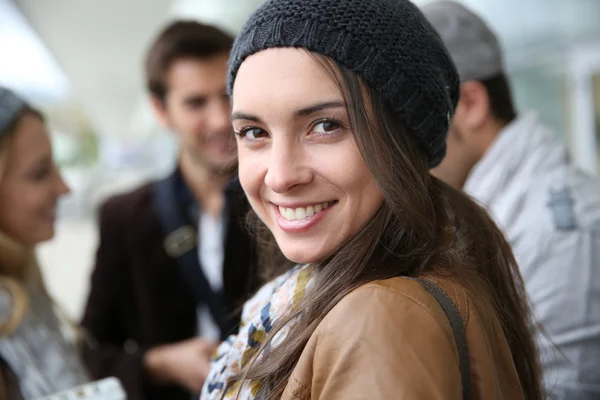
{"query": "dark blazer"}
pixel 138 297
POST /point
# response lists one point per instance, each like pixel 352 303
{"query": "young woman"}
pixel 35 358
pixel 404 289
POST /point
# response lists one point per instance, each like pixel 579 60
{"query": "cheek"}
pixel 18 213
pixel 347 170
pixel 252 169
pixel 185 121
pixel 365 195
pixel 30 202
pixel 347 167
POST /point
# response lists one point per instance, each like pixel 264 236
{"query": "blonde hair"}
pixel 18 265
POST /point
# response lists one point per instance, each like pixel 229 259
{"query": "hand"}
pixel 185 363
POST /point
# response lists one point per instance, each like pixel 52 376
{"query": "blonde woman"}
pixel 35 358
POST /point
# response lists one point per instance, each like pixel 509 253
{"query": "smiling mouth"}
pixel 301 213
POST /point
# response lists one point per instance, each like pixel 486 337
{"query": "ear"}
pixel 159 107
pixel 474 105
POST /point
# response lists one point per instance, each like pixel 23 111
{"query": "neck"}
pixel 206 185
pixel 486 136
pixel 455 175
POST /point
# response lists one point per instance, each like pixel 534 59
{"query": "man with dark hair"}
pixel 548 209
pixel 174 263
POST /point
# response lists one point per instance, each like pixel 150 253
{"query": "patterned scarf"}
pixel 274 301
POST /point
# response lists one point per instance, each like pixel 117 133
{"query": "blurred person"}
pixel 36 359
pixel 404 288
pixel 550 211
pixel 174 262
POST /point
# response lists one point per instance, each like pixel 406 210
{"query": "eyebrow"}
pixel 320 107
pixel 303 112
pixel 242 115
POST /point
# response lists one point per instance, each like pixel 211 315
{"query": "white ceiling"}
pixel 99 45
pixel 27 66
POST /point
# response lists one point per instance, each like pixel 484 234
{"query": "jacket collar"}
pixel 521 149
pixel 185 197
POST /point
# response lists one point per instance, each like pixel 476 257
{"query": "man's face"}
pixel 458 160
pixel 466 143
pixel 197 109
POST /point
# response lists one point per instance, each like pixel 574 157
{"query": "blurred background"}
pixel 80 61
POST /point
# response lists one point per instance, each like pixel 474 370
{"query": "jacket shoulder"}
pixel 391 296
pixel 565 199
pixel 126 206
pixel 384 337
pixel 392 336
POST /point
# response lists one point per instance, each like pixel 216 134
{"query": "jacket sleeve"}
pixel 382 344
pixel 106 354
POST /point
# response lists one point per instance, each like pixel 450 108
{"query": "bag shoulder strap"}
pixel 458 329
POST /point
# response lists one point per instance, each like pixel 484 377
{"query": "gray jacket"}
pixel 38 354
pixel 550 213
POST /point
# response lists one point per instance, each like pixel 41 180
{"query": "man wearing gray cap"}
pixel 548 209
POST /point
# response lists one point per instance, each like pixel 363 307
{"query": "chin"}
pixel 302 255
pixel 44 236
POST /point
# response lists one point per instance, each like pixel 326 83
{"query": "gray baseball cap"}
pixel 473 46
pixel 10 107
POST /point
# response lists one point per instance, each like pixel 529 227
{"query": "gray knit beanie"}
pixel 388 43
pixel 11 106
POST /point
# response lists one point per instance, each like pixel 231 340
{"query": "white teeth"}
pixel 300 213
pixel 290 214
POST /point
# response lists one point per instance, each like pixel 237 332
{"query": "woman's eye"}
pixel 40 173
pixel 252 133
pixel 326 127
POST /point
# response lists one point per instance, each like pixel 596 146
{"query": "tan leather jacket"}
pixel 391 340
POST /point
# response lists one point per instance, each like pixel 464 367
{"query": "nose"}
pixel 219 116
pixel 63 188
pixel 287 167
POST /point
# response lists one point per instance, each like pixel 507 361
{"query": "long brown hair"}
pixel 423 226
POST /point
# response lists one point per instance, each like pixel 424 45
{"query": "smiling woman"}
pixel 34 356
pixel 300 166
pixel 404 287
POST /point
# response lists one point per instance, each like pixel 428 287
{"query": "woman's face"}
pixel 30 185
pixel 298 160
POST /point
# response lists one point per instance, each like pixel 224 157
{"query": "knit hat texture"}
pixel 388 43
